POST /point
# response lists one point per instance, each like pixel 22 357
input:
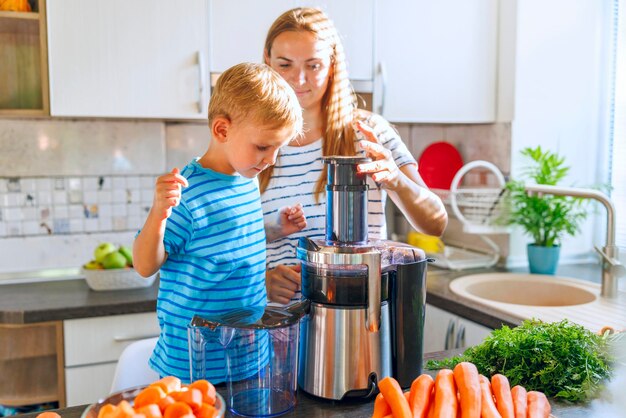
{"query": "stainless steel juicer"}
pixel 366 316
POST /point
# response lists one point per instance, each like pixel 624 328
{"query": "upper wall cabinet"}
pixel 238 30
pixel 437 61
pixel 129 59
pixel 23 62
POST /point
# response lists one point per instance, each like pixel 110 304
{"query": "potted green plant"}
pixel 545 218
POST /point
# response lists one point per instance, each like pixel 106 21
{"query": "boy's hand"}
pixel 167 193
pixel 291 219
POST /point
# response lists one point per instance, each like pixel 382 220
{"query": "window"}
pixel 617 122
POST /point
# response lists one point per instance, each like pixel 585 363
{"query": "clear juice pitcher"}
pixel 261 347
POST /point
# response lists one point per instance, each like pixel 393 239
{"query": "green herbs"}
pixel 562 359
pixel 547 218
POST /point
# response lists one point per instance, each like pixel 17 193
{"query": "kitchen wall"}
pixel 66 184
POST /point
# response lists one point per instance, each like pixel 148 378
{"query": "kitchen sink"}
pixel 523 289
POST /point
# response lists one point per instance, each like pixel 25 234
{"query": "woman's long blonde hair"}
pixel 338 103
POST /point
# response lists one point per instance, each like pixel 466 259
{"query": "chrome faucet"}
pixel 612 269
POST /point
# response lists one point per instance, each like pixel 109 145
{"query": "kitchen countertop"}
pixel 312 407
pixel 69 299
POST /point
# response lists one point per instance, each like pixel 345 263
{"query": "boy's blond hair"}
pixel 257 93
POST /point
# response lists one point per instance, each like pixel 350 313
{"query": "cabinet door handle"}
pixel 383 84
pixel 201 86
pixel 449 335
pixel 125 338
pixel 460 337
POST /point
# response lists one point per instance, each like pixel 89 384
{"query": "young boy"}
pixel 208 240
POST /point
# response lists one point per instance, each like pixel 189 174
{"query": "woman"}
pixel 304 47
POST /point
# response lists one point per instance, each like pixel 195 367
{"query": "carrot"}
pixel 151 394
pixel 381 407
pixel 178 410
pixel 431 406
pixel 502 392
pixel 165 402
pixel 125 410
pixel 192 397
pixel 150 411
pixel 392 392
pixel 446 402
pixel 538 405
pixel 419 395
pixel 206 411
pixel 207 389
pixel 466 379
pixel 48 414
pixel 107 411
pixel 488 407
pixel 168 384
pixel 519 401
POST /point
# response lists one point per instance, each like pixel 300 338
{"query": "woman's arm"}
pixel 422 208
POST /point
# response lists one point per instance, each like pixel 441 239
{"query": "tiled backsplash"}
pixel 66 185
pixel 73 205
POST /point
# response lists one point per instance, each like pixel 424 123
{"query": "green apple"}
pixel 102 250
pixel 93 265
pixel 114 260
pixel 128 253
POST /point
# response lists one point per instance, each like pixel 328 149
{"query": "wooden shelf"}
pixel 23 388
pixel 31 364
pixel 18 15
pixel 24 62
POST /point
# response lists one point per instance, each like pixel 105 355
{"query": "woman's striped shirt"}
pixel 293 179
pixel 215 242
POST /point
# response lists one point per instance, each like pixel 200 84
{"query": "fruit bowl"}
pixel 130 394
pixel 116 279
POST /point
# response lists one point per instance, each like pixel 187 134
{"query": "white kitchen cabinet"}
pixel 437 61
pixel 129 59
pixel 445 331
pixel 238 30
pixel 92 348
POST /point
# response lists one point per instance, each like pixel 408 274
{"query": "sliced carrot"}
pixel 207 389
pixel 488 406
pixel 48 414
pixel 151 394
pixel 518 393
pixel 502 392
pixel 165 402
pixel 178 410
pixel 150 411
pixel 466 379
pixel 107 411
pixel 446 402
pixel 391 390
pixel 206 411
pixel 192 397
pixel 125 410
pixel 381 407
pixel 538 405
pixel 168 384
pixel 419 395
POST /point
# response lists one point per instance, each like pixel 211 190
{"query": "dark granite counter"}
pixel 68 299
pixel 312 407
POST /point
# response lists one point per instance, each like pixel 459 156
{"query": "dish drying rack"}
pixel 478 209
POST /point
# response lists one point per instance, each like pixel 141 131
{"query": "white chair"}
pixel 132 368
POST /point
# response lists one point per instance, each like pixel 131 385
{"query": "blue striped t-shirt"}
pixel 215 242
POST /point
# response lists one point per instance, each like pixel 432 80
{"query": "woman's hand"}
pixel 282 283
pixel 383 168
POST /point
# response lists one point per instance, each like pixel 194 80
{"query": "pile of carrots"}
pixel 167 398
pixel 461 392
